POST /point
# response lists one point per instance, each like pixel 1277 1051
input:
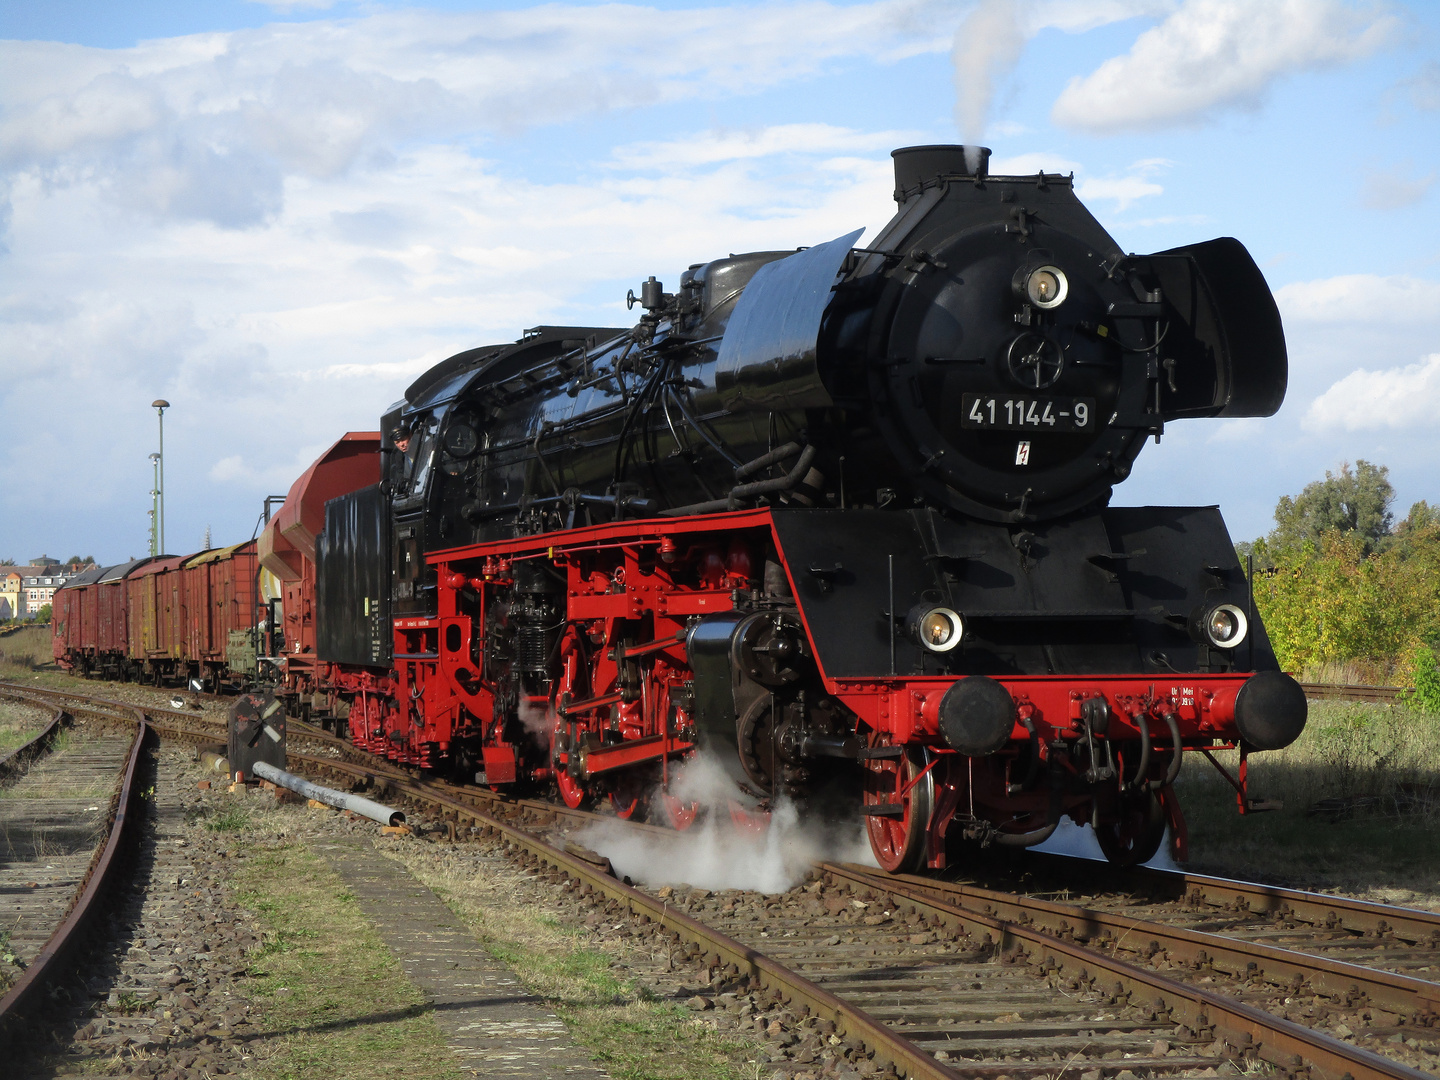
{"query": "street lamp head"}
pixel 154 457
pixel 160 403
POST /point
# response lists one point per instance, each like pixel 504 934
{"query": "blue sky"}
pixel 275 215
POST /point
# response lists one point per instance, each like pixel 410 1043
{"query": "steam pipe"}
pixel 764 461
pixel 342 800
pixel 744 491
pixel 1139 782
pixel 1035 836
pixel 1026 839
pixel 783 483
pixel 1173 723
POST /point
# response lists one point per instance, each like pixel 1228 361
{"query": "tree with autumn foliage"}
pixel 1340 584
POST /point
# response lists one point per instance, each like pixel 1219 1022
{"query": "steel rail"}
pixel 1316 909
pixel 31 992
pixel 1285 1044
pixel 1402 994
pixel 14 689
pixel 22 755
pixel 1353 692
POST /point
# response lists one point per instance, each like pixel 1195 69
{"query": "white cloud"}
pixel 1239 430
pixel 1402 397
pixel 1136 183
pixel 209 127
pixel 1395 189
pixel 1214 54
pixel 315 319
pixel 713 147
pixel 1360 298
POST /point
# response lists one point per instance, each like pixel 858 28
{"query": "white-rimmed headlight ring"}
pixel 939 629
pixel 1046 287
pixel 1225 626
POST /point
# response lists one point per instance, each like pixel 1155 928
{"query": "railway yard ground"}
pixel 1361 808
pixel 278 939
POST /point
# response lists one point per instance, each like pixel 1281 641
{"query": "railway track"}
pixel 1382 936
pixel 68 818
pixel 1353 692
pixel 937 979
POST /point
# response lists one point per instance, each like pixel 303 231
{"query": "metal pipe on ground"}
pixel 342 800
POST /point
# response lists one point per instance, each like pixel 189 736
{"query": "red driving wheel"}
pixel 905 790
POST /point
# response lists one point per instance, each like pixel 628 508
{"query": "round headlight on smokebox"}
pixel 938 629
pixel 1221 625
pixel 1046 287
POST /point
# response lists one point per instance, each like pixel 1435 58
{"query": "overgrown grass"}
pixel 25 650
pixel 18 725
pixel 1349 672
pixel 231 819
pixel 27 655
pixel 1361 793
pixel 333 999
pixel 630 1033
pixel 44 782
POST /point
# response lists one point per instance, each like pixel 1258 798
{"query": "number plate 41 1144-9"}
pixel 1015 412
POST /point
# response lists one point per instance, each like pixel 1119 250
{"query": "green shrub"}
pixel 1426 694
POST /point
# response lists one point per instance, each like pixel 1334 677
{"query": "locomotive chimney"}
pixel 916 164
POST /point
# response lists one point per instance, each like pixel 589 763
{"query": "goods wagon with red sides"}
pixel 91 624
pixel 155 609
pixel 221 589
pixel 73 620
pixel 112 623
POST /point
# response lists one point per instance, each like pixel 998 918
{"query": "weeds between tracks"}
pixel 1361 789
pixel 335 1002
pixel 325 982
pixel 574 964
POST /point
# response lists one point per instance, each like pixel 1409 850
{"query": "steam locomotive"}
pixel 837 517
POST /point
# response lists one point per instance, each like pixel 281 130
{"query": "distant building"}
pixel 10 588
pixel 39 590
pixel 24 590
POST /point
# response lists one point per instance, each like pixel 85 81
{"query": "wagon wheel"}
pixel 1134 834
pixel 680 814
pixel 898 839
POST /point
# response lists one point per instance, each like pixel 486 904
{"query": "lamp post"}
pixel 160 405
pixel 155 506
